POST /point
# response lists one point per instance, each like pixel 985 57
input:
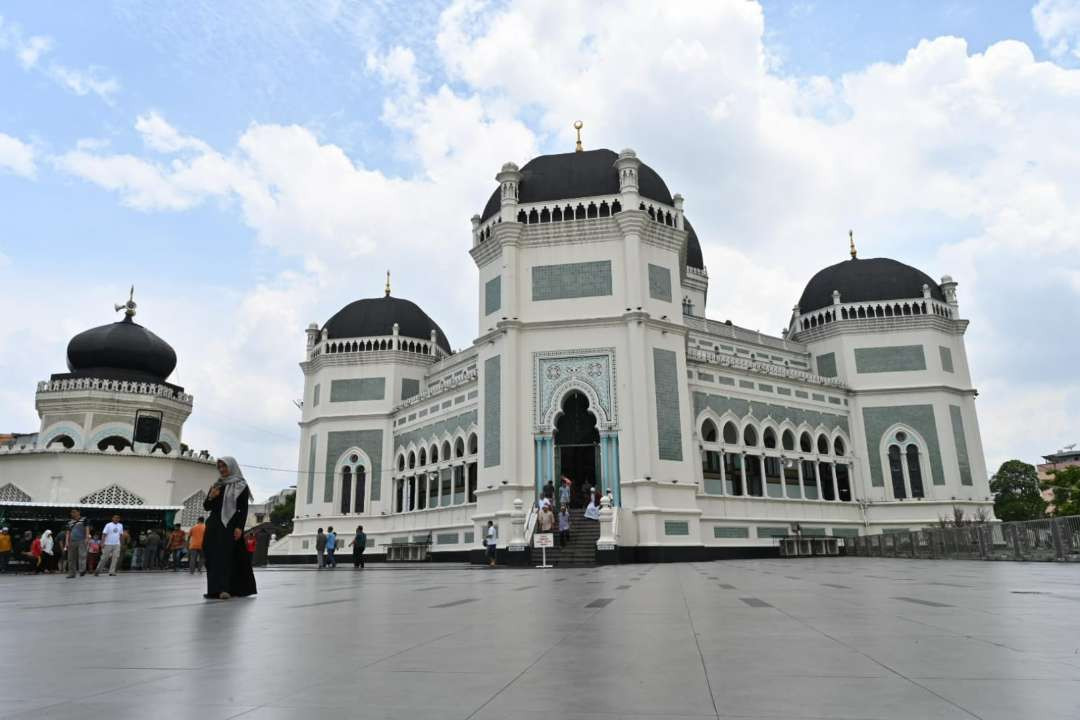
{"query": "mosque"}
pixel 594 360
pixel 87 452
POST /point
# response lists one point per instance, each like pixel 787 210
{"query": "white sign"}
pixel 544 540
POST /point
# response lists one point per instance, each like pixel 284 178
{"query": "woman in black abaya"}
pixel 228 563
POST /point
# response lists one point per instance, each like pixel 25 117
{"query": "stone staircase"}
pixel 580 551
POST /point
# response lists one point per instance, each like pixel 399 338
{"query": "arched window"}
pixel 731 434
pixel 788 440
pixel 422 459
pixel 838 446
pixel 361 489
pixel 114 442
pixel 914 469
pixel 768 438
pixel 400 462
pixel 434 454
pixel 708 431
pixel 67 443
pixel 346 490
pixel 412 460
pixel 472 444
pixel 806 445
pixel 446 450
pixel 459 448
pixel 896 471
pixel 163 447
pixel 750 436
pixel 822 445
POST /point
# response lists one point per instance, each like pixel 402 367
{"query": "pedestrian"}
pixel 5 549
pixel 564 525
pixel 93 552
pixel 176 546
pixel 76 544
pixel 47 557
pixel 320 548
pixel 112 536
pixel 491 539
pixel 564 491
pixel 592 511
pixel 137 552
pixel 549 490
pixel 195 545
pixel 331 547
pixel 151 552
pixel 611 499
pixel 547 519
pixel 228 564
pixel 36 556
pixel 250 543
pixel 59 552
pixel 358 544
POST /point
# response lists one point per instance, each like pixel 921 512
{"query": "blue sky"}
pixel 252 167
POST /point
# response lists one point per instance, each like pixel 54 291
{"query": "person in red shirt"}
pixel 250 542
pixel 194 545
pixel 176 545
pixel 35 555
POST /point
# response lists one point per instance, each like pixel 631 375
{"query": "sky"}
pixel 252 167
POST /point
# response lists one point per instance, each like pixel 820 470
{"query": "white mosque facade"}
pixel 594 360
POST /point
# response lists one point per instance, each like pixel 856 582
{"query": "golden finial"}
pixel 851 243
pixel 577 126
pixel 387 283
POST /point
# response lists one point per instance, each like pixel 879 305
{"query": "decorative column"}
pixel 609 465
pixel 607 525
pixel 835 487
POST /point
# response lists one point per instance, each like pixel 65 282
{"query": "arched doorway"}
pixel 577 443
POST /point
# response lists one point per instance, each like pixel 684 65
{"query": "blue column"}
pixel 538 463
pixel 609 466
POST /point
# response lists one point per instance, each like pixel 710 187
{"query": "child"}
pixel 93 552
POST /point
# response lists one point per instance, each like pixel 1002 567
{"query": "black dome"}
pixel 577 174
pixel 694 258
pixel 121 350
pixel 868 280
pixel 376 316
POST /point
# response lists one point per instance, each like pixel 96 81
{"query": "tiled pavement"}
pixel 828 638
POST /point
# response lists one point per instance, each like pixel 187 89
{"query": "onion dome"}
pixel 376 316
pixel 866 280
pixel 694 258
pixel 122 350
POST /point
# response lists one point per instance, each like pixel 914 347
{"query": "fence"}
pixel 1048 540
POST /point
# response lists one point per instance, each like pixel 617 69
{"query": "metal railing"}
pixel 1050 539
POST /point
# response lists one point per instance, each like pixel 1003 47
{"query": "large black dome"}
pixel 694 257
pixel 577 174
pixel 122 350
pixel 376 316
pixel 868 280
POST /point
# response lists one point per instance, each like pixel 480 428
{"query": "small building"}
pixel 1066 457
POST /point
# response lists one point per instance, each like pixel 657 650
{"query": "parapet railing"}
pixel 762 368
pixel 1050 539
pixel 118 386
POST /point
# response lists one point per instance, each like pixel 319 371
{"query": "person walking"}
pixel 491 539
pixel 564 525
pixel 547 519
pixel 152 550
pixel 359 542
pixel 48 560
pixel 5 549
pixel 331 547
pixel 93 552
pixel 76 544
pixel 195 545
pixel 564 491
pixel 112 536
pixel 320 548
pixel 176 546
pixel 228 564
pixel 36 556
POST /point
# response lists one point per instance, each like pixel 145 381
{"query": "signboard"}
pixel 544 540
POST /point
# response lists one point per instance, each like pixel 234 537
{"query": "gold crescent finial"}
pixel 851 243
pixel 577 126
pixel 387 283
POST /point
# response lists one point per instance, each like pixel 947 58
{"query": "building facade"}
pixel 86 455
pixel 594 361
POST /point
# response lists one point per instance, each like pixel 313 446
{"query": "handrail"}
pixel 530 525
pixel 615 524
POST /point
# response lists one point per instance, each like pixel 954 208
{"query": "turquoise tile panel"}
pixel 920 418
pixel 890 358
pixel 571 280
pixel 960 442
pixel 668 417
pixel 357 389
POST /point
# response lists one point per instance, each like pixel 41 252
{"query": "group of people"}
pixel 327 543
pixel 548 520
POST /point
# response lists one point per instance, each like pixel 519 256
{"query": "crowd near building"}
pixel 594 360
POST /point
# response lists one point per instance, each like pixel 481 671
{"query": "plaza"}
pixel 813 638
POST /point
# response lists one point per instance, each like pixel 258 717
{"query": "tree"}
pixel 282 514
pixel 1016 492
pixel 1065 484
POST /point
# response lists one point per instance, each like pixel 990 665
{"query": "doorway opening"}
pixel 577 447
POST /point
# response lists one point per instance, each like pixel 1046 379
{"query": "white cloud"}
pixel 158 134
pixel 85 81
pixel 16 156
pixel 29 51
pixel 1058 24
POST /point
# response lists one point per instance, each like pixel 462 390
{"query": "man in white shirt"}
pixel 111 537
pixel 492 542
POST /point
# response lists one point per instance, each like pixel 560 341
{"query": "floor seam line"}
pixel 697 642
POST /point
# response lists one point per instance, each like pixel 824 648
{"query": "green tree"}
pixel 282 514
pixel 1065 484
pixel 1016 492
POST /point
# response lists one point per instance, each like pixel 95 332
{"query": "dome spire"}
pixel 577 126
pixel 128 307
pixel 851 244
pixel 387 283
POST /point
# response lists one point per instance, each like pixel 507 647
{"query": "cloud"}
pixel 29 51
pixel 16 156
pixel 1058 24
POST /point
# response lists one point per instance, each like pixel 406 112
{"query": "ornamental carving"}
pixel 592 371
pixel 112 495
pixel 11 493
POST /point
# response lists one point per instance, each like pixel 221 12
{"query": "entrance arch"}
pixel 577 446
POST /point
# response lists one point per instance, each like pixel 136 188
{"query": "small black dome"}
pixel 868 280
pixel 694 257
pixel 577 174
pixel 122 350
pixel 376 316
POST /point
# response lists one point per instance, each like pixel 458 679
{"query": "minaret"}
pixel 509 178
